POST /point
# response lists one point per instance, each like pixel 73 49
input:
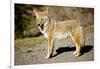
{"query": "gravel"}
pixel 63 52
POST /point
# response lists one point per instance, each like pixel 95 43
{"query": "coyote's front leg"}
pixel 50 45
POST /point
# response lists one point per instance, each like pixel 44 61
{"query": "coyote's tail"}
pixel 82 35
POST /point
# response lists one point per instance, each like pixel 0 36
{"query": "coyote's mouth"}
pixel 42 26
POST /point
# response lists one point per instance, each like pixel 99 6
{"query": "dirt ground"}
pixel 62 53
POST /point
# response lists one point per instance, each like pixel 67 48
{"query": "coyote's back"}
pixel 52 29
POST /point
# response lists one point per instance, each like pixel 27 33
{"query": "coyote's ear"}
pixel 46 10
pixel 36 12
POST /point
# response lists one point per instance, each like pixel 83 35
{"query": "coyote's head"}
pixel 42 18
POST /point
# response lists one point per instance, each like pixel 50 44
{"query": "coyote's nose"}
pixel 38 24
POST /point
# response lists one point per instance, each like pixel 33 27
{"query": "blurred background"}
pixel 25 22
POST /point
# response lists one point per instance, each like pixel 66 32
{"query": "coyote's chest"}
pixel 59 34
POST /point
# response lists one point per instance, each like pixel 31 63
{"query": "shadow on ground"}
pixel 84 49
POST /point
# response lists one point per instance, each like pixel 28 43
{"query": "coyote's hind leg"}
pixel 76 40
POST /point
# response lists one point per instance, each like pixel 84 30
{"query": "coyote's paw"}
pixel 76 54
pixel 47 57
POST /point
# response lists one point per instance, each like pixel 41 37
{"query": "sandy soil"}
pixel 62 53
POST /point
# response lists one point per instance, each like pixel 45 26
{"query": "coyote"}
pixel 52 29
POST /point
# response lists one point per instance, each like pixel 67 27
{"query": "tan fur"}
pixel 61 29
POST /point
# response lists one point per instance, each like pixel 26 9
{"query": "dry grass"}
pixel 89 29
pixel 30 41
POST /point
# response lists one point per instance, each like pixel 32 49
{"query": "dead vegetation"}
pixel 25 23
